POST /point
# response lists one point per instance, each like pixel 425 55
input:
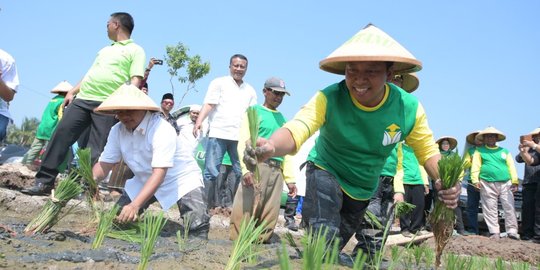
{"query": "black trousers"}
pixel 77 117
pixel 413 221
pixel 529 192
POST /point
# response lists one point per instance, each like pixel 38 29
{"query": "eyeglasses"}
pixel 168 102
pixel 277 93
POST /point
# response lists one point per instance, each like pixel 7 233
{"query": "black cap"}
pixel 167 96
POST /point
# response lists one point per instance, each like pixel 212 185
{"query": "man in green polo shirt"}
pixel 121 62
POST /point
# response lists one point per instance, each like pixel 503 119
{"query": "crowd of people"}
pixel 374 146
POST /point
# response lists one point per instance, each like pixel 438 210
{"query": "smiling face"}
pixel 366 80
pixel 130 118
pixel 445 145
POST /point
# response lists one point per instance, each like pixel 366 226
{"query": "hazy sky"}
pixel 479 57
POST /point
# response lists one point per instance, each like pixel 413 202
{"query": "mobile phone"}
pixel 523 138
pixel 158 62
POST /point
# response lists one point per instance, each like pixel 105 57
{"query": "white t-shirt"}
pixel 231 103
pixel 10 78
pixel 153 144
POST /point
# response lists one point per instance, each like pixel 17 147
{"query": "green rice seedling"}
pixel 429 256
pixel 249 235
pixel 331 256
pixel 49 215
pixel 183 236
pixel 359 260
pixel 520 266
pixel 152 225
pixel 315 248
pixel 373 220
pixel 452 261
pixel 104 226
pixel 284 260
pixel 479 263
pixel 417 253
pixel 290 239
pixel 403 208
pixel 442 218
pixel 85 171
pixel 130 232
pixel 499 264
pixel 253 119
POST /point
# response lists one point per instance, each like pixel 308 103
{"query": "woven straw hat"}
pixel 62 87
pixel 490 130
pixel 535 131
pixel 451 140
pixel 127 97
pixel 410 82
pixel 371 44
pixel 471 136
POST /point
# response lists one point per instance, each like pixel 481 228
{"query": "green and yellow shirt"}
pixel 493 164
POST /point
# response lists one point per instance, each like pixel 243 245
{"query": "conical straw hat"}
pixel 471 136
pixel 62 87
pixel 451 140
pixel 535 131
pixel 127 97
pixel 371 44
pixel 490 130
pixel 409 83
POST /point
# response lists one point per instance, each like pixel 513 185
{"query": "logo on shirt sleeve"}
pixel 392 135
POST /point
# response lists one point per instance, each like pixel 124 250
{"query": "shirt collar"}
pixel 142 128
pixel 122 42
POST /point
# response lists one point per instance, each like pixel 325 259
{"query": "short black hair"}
pixel 241 56
pixel 167 96
pixel 145 85
pixel 125 20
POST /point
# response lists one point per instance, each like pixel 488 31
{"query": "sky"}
pixel 479 58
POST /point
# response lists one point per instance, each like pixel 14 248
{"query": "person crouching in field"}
pixel 165 170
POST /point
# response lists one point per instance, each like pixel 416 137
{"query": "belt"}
pixel 273 163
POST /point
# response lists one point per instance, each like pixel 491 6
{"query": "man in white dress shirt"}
pixel 164 169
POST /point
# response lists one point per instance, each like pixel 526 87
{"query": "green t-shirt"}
pixel 411 168
pixel 113 66
pixel 354 144
pixel 494 167
pixel 269 122
pixel 390 165
pixel 50 118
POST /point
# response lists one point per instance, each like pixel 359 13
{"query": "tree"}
pixel 177 58
pixel 25 134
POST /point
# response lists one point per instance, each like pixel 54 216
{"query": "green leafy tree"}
pixel 177 58
pixel 23 135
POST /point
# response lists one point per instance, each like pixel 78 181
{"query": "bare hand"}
pixel 129 213
pixel 398 197
pixel 67 99
pixel 247 179
pixel 426 190
pixel 292 190
pixel 449 196
pixel 196 130
pixel 477 186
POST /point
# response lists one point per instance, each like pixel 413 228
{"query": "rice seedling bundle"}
pixel 85 171
pixel 152 225
pixel 249 235
pixel 67 189
pixel 104 226
pixel 403 208
pixel 253 120
pixel 442 218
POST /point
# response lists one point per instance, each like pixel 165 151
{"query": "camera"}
pixel 158 62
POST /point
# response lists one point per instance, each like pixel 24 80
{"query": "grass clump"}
pixel 316 251
pixel 106 219
pixel 442 218
pixel 249 235
pixel 67 189
pixel 152 225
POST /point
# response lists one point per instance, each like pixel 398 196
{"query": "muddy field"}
pixel 68 244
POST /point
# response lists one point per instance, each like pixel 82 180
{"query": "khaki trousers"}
pixel 267 209
pixel 490 193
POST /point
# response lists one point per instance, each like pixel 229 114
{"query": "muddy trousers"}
pixel 327 206
pixel 490 193
pixel 77 117
pixel 191 206
pixel 527 209
pixel 267 207
pixel 370 238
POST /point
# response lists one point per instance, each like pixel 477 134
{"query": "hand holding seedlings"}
pixel 448 196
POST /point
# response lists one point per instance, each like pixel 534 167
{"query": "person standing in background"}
pixel 473 194
pixel 225 104
pixel 9 82
pixel 167 104
pixel 116 64
pixel 49 119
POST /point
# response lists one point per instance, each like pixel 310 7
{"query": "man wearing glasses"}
pixel 167 104
pixel 225 103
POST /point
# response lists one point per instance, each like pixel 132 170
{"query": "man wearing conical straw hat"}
pixel 49 119
pixel 494 173
pixel 473 195
pixel 164 169
pixel 360 119
pixel 528 154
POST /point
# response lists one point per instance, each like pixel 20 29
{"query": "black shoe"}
pixel 291 226
pixel 38 189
